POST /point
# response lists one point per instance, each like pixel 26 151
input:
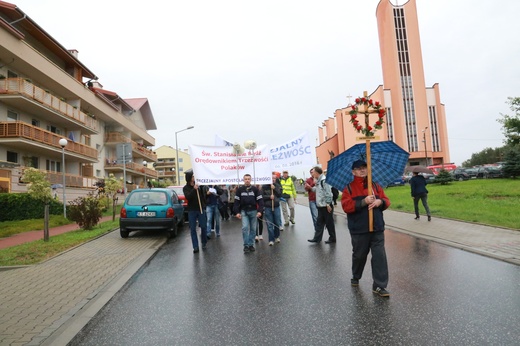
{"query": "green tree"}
pixel 112 185
pixel 511 123
pixel 444 177
pixel 488 155
pixel 40 188
pixel 511 166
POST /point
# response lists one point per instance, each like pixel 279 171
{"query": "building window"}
pixel 12 116
pixel 35 122
pixel 98 173
pixel 12 157
pixel 53 166
pixel 53 129
pixel 31 161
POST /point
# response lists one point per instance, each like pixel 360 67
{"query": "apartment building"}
pixel 167 167
pixel 48 94
pixel 415 118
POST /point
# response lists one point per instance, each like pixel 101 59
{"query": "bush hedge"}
pixel 21 206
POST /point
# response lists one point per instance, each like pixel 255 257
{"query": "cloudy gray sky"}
pixel 270 70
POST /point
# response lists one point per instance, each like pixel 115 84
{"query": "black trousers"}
pixel 325 219
pixel 364 243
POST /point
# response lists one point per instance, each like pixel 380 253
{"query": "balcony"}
pixel 139 150
pixel 22 94
pixel 131 167
pixel 19 132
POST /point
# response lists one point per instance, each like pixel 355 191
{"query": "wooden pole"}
pixel 369 165
pixel 198 197
pixel 369 186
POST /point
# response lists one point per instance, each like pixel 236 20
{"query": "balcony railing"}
pixel 131 167
pixel 116 137
pixel 21 86
pixel 18 129
pixel 71 180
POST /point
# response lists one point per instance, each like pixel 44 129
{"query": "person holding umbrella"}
pixel 356 202
pixel 419 192
pixel 196 198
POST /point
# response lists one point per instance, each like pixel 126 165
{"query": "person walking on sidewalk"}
pixel 196 198
pixel 419 192
pixel 309 185
pixel 289 197
pixel 325 207
pixel 356 203
pixel 248 207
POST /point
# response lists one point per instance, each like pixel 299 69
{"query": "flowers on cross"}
pixel 369 107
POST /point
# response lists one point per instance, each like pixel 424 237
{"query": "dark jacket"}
pixel 418 185
pixel 212 199
pixel 267 192
pixel 195 202
pixel 354 205
pixel 248 198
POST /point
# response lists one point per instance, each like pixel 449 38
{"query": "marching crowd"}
pixel 255 205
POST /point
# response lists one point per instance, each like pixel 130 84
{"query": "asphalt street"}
pixel 297 293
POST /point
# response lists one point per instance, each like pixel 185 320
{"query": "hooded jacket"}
pixel 195 203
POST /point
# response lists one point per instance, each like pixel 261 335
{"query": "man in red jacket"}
pixel 356 203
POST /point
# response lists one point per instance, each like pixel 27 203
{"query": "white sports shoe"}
pixel 260 237
pixel 271 243
pixel 277 240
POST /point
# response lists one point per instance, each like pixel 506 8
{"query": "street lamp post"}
pixel 424 141
pixel 63 142
pixel 177 153
pixel 144 164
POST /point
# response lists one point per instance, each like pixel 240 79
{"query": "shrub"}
pixel 22 206
pixel 85 211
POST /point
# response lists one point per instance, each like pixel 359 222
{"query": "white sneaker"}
pixel 256 238
pixel 260 237
pixel 271 243
pixel 277 240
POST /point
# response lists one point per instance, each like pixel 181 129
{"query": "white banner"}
pixel 221 166
pixel 295 152
pixel 221 142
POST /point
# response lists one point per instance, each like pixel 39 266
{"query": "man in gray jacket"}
pixel 325 208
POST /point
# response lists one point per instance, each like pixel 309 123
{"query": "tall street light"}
pixel 177 152
pixel 424 141
pixel 63 142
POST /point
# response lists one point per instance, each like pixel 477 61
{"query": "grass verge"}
pixel 38 251
pixel 491 202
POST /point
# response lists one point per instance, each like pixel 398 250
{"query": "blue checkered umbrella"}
pixel 388 163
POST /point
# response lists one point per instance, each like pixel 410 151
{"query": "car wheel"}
pixel 461 178
pixel 173 231
pixel 124 234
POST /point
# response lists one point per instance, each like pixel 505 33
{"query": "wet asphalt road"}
pixel 297 293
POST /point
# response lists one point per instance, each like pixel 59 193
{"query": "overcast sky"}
pixel 270 70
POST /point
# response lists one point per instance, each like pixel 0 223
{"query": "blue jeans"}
pixel 273 220
pixel 213 213
pixel 314 212
pixel 193 217
pixel 249 224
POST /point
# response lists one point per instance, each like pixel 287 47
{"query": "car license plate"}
pixel 146 213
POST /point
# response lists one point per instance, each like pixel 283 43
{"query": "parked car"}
pixel 472 172
pixel 151 209
pixel 489 172
pixel 180 193
pixel 460 174
pixel 398 182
